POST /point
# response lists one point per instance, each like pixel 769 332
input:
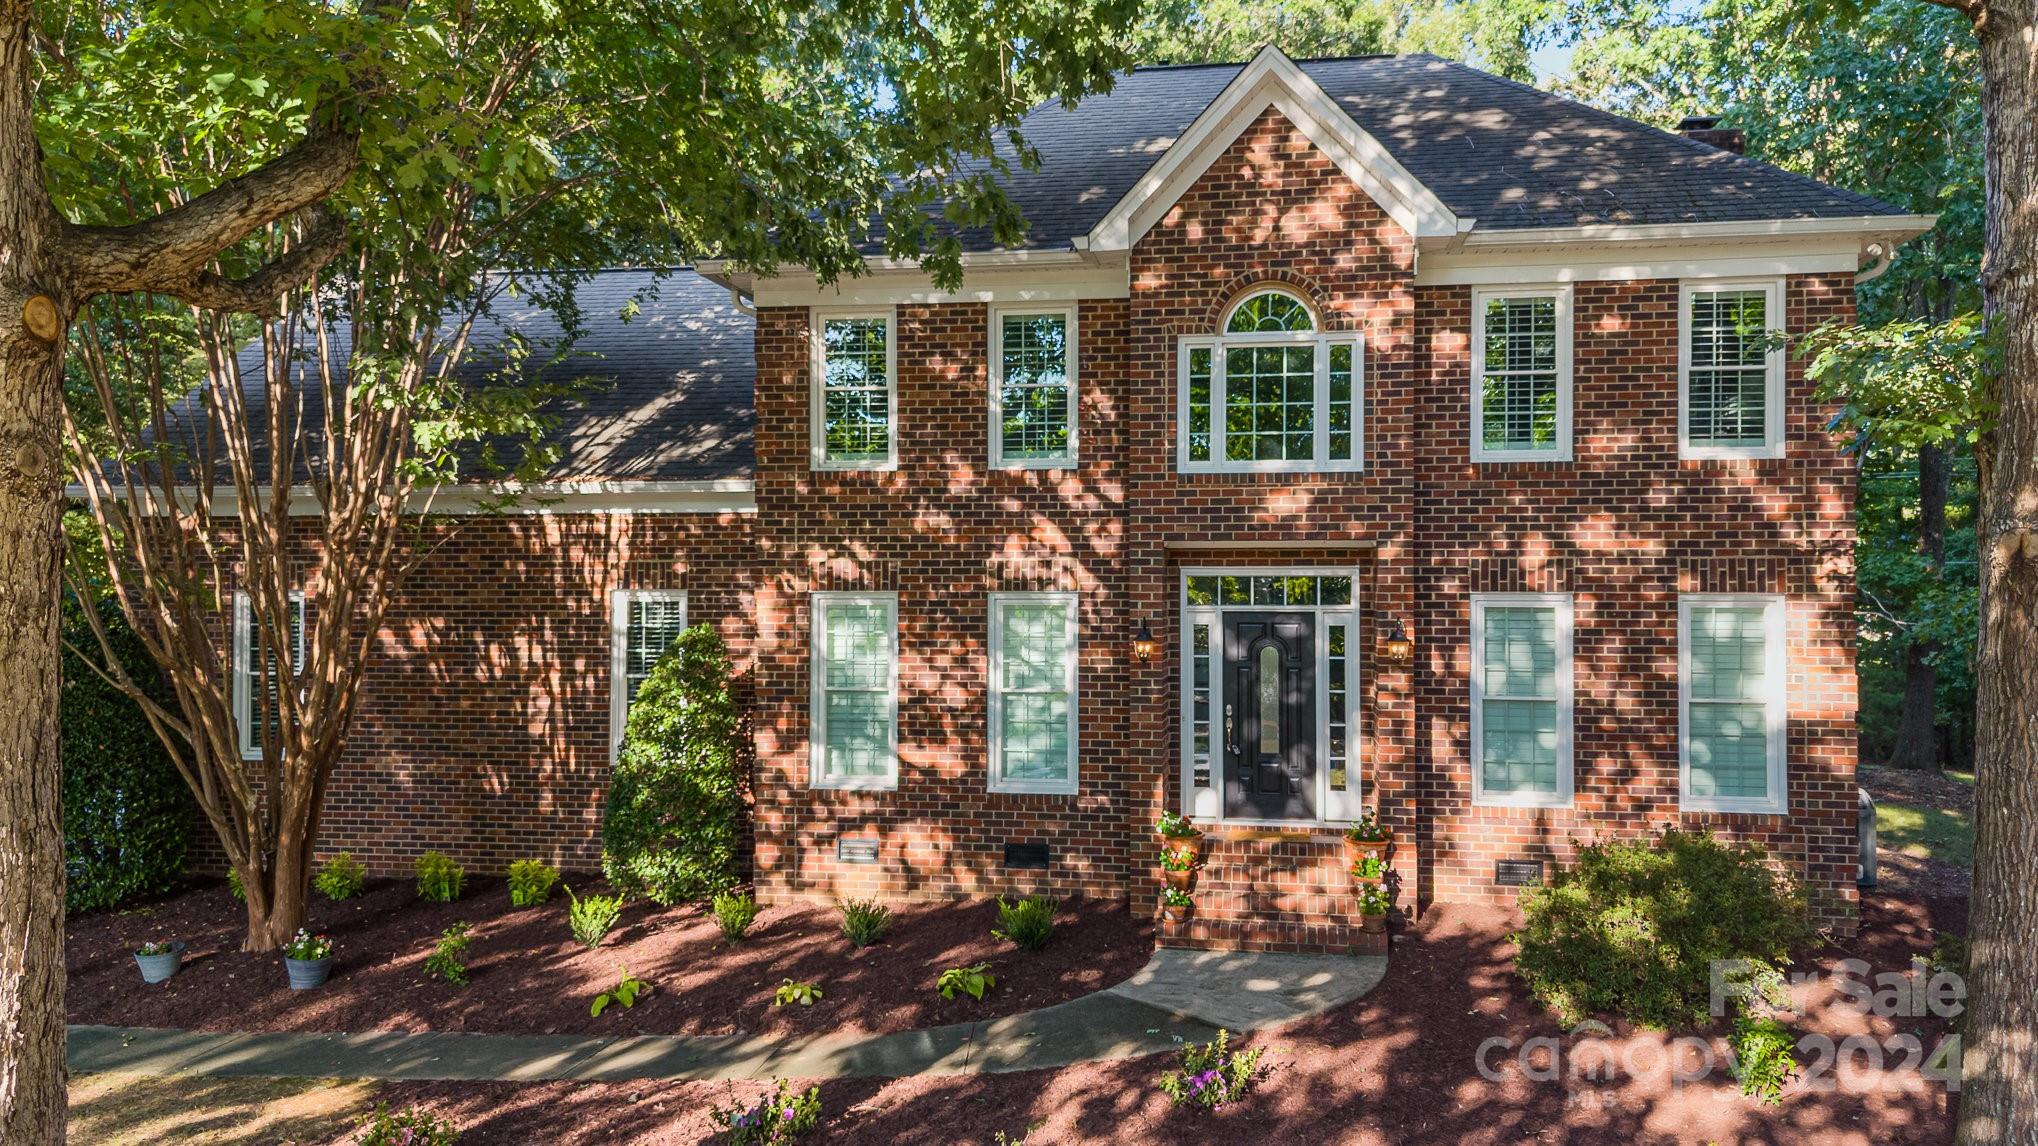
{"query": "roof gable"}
pixel 1272 80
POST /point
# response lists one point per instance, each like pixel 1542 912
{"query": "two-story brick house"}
pixel 1307 365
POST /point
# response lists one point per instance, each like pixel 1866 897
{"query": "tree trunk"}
pixel 1917 737
pixel 1999 1100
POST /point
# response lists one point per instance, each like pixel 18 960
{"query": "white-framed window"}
pixel 255 689
pixel 1730 371
pixel 854 415
pixel 1521 699
pixel 854 691
pixel 1732 703
pixel 1033 386
pixel 1521 374
pixel 1033 734
pixel 1271 392
pixel 643 623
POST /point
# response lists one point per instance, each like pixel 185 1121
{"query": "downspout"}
pixel 750 308
pixel 1885 254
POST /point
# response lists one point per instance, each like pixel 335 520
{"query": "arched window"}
pixel 1271 392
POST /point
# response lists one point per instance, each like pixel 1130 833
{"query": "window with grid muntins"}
pixel 1034 694
pixel 1034 387
pixel 1729 697
pixel 1269 392
pixel 1727 403
pixel 1518 389
pixel 856 704
pixel 1270 403
pixel 1520 700
pixel 856 389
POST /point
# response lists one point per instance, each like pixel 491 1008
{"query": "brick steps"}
pixel 1274 890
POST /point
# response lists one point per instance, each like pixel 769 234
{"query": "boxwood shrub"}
pixel 673 819
pixel 1633 928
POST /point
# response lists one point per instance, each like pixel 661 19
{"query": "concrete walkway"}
pixel 1179 996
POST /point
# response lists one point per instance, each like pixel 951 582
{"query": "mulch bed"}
pixel 1918 877
pixel 1398 1066
pixel 528 976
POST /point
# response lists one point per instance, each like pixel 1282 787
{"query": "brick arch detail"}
pixel 1313 294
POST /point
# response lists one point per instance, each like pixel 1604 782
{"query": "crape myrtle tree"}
pixel 268 230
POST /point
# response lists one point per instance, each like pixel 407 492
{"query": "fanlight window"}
pixel 1271 392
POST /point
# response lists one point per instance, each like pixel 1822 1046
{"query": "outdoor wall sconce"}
pixel 1143 645
pixel 1395 647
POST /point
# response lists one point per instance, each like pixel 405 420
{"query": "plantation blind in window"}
pixel 855 697
pixel 1732 701
pixel 1522 389
pixel 1522 698
pixel 1034 391
pixel 642 626
pixel 1033 692
pixel 257 675
pixel 1732 374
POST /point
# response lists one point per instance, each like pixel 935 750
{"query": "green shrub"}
pixel 1212 1075
pixel 233 884
pixel 673 819
pixel 127 811
pixel 972 981
pixel 446 959
pixel 1762 1059
pixel 626 990
pixel 341 877
pixel 735 911
pixel 865 921
pixel 411 1126
pixel 530 882
pixel 591 919
pixel 1634 928
pixel 782 1117
pixel 439 878
pixel 796 991
pixel 1029 922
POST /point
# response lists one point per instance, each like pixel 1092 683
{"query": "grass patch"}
pixel 1928 833
pixel 120 1109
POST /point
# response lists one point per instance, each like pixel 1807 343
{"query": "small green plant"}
pixel 1373 901
pixel 307 947
pixel 1369 867
pixel 796 991
pixel 625 992
pixel 1367 829
pixel 1762 1058
pixel 445 961
pixel 341 877
pixel 1212 1075
pixel 782 1117
pixel 1028 923
pixel 411 1126
pixel 592 918
pixel 530 882
pixel 1177 861
pixel 865 921
pixel 1175 826
pixel 1949 953
pixel 439 878
pixel 156 947
pixel 1175 897
pixel 735 911
pixel 233 884
pixel 972 981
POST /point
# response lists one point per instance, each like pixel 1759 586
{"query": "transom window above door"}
pixel 1271 392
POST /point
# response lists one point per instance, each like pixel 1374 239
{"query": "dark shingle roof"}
pixel 1499 152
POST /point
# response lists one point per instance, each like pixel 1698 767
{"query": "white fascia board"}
pixel 1066 279
pixel 1655 260
pixel 541 499
pixel 1871 226
pixel 1274 80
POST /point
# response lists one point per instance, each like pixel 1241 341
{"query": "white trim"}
pixel 1906 225
pixel 817 691
pixel 1610 263
pixel 1071 374
pixel 1774 318
pixel 1566 762
pixel 817 430
pixel 1561 452
pixel 1775 624
pixel 1208 803
pixel 996 693
pixel 1321 461
pixel 1067 277
pixel 1273 80
pixel 538 499
pixel 243 669
pixel 620 601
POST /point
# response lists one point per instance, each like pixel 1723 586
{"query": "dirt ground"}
pixel 135 1110
pixel 528 976
pixel 1933 807
pixel 1401 1065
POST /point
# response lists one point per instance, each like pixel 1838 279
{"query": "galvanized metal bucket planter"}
pixel 156 968
pixel 307 973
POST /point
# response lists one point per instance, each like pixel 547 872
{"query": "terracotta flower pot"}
pixel 1179 880
pixel 1190 846
pixel 1356 850
pixel 1172 914
pixel 1373 924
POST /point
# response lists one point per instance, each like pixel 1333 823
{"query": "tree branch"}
pixel 261 292
pixel 169 252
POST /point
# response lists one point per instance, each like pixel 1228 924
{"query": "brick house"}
pixel 1301 357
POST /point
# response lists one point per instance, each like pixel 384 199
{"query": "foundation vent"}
pixel 1027 857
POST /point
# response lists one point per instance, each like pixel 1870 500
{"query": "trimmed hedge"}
pixel 127 813
pixel 1634 927
pixel 673 821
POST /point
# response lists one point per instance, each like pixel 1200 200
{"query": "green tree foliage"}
pixel 1497 35
pixel 126 810
pixel 674 817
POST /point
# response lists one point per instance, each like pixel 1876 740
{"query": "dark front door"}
pixel 1270 716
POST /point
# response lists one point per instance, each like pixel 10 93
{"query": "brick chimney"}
pixel 1707 130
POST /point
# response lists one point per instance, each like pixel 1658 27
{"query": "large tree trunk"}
pixel 32 1099
pixel 1917 737
pixel 1999 1103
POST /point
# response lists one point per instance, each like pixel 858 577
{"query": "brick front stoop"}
pixel 1274 889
